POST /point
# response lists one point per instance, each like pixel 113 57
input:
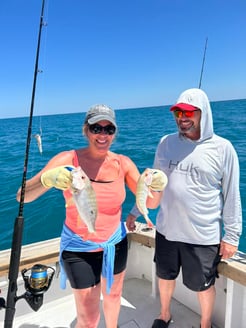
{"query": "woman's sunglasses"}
pixel 187 113
pixel 97 128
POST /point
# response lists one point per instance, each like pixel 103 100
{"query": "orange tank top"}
pixel 110 197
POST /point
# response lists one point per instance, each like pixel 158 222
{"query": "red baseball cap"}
pixel 183 106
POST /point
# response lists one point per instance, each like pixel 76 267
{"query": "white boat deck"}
pixel 139 309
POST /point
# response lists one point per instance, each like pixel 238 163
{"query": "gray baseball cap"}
pixel 100 113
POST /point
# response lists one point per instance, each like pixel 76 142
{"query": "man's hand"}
pixel 227 250
pixel 130 222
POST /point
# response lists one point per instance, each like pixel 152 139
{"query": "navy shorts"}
pixel 84 269
pixel 198 262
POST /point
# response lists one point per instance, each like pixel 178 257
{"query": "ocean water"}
pixel 139 133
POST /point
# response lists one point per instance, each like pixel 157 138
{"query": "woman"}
pixel 82 253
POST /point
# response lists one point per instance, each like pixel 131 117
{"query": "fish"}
pixel 39 142
pixel 144 186
pixel 84 197
pixel 142 193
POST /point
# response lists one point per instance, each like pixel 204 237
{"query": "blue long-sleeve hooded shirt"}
pixel 201 203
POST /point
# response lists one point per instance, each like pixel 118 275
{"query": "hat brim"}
pixel 183 106
pixel 98 118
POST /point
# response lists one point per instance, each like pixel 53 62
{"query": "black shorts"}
pixel 84 269
pixel 198 262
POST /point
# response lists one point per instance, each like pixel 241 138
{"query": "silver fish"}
pixel 142 193
pixel 39 142
pixel 84 197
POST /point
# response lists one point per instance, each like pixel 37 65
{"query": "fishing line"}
pixel 19 221
pixel 42 67
pixel 203 62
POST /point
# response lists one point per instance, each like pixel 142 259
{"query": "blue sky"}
pixel 124 53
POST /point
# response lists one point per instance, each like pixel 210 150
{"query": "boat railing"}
pixel 47 252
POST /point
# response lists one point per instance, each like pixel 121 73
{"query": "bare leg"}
pixel 88 306
pixel 112 301
pixel 206 299
pixel 166 288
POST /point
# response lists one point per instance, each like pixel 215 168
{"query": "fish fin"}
pixel 148 179
pixel 79 221
pixel 150 194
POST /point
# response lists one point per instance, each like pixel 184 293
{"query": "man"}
pixel 200 216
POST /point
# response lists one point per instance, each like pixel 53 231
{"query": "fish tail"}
pixel 91 229
pixel 87 235
pixel 149 223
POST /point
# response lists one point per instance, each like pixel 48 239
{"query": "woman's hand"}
pixel 60 177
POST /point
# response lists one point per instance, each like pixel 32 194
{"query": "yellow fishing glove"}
pixel 59 177
pixel 159 180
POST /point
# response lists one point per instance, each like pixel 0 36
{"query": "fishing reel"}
pixel 37 281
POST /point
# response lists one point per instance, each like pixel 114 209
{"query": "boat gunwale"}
pixel 47 252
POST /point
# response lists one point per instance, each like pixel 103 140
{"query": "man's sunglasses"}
pixel 97 128
pixel 187 113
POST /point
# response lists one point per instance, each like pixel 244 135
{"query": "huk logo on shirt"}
pixel 184 168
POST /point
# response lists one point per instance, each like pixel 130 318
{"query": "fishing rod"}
pixel 203 62
pixel 30 295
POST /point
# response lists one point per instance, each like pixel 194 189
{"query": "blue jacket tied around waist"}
pixel 73 242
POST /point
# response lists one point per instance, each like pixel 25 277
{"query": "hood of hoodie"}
pixel 199 99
